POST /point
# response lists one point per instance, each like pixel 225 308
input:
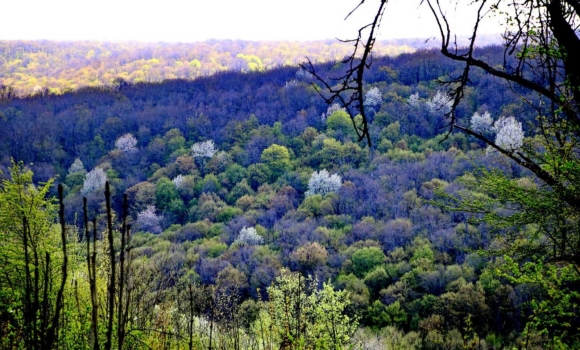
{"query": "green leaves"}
pixel 277 158
pixel 302 316
pixel 557 303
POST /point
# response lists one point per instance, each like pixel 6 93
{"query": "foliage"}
pixel 406 264
pixel 310 256
pixel 277 158
pixel 148 220
pixel 413 100
pixel 440 103
pixel 555 313
pixel 322 183
pixel 205 149
pixel 249 235
pixel 481 123
pixel 366 259
pixel 56 68
pixel 178 181
pixel 94 180
pixel 331 109
pixel 31 289
pixel 339 122
pixel 305 317
pixel 510 135
pixel 373 97
pixel 126 143
pixel 77 167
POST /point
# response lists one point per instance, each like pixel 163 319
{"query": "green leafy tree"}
pixel 379 315
pixel 33 263
pixel 338 124
pixel 367 259
pixel 165 193
pixel 277 158
pixel 258 174
pixel 300 316
pixel 553 316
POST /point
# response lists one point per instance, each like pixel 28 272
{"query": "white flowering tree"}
pixel 413 100
pixel 440 103
pixel 373 98
pixel 323 183
pixel 178 181
pixel 205 149
pixel 482 123
pixel 148 221
pixel 126 143
pixel 509 134
pixel 77 167
pixel 291 84
pixel 249 236
pixel 94 180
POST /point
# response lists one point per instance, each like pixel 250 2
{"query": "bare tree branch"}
pixel 350 90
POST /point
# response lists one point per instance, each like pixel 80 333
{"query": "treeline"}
pixel 232 178
pixel 49 67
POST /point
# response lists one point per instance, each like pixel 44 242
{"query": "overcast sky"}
pixel 197 20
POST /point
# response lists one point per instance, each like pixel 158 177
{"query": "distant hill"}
pixel 51 67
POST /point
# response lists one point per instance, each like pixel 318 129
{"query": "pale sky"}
pixel 196 20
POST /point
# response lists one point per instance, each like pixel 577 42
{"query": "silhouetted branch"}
pixel 350 90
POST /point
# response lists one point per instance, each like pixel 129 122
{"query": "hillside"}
pixel 235 178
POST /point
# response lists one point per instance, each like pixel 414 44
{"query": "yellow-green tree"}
pixel 277 158
pixel 301 316
pixel 33 263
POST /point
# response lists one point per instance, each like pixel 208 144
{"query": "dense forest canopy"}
pixel 238 211
pixel 49 67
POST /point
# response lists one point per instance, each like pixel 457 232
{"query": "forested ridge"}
pixel 52 67
pixel 246 193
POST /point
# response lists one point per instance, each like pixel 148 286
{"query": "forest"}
pixel 52 67
pixel 238 210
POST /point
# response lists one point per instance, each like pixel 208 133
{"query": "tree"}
pixel 481 123
pixel 94 180
pixel 510 135
pixel 323 183
pixel 205 149
pixel 32 289
pixel 440 103
pixel 413 100
pixel 202 151
pixel 77 167
pixel 367 259
pixel 300 316
pixel 249 236
pixel 277 158
pixel 148 221
pixel 373 98
pixel 309 256
pixel 331 109
pixel 338 124
pixel 556 314
pixel 165 192
pixel 178 181
pixel 126 144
